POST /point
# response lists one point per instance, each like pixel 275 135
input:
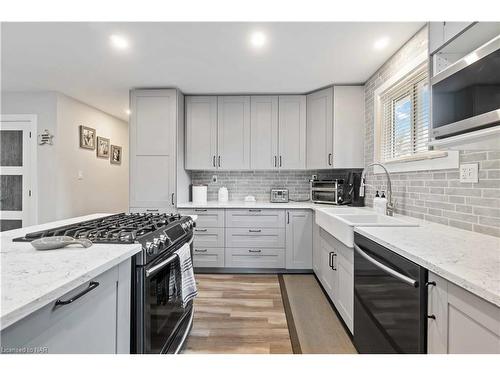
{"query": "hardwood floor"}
pixel 239 314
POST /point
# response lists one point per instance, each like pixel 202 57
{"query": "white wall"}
pixel 104 187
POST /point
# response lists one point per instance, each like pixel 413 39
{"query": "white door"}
pixel 264 132
pixel 201 132
pixel 292 132
pixel 320 129
pixel 233 132
pixel 18 157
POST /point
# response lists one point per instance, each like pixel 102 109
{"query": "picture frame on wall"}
pixel 87 138
pixel 103 149
pixel 116 154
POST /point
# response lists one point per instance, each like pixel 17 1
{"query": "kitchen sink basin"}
pixel 341 225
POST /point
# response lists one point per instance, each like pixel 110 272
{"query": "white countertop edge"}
pixel 21 312
pixel 452 277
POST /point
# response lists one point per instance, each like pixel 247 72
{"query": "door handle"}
pixel 386 269
pixel 173 204
pixel 92 286
pixel 219 161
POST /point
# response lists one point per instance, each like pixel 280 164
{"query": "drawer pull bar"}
pixel 200 230
pixel 200 250
pixel 152 210
pixel 200 210
pixel 254 210
pixel 92 285
pixel 255 251
pixel 255 230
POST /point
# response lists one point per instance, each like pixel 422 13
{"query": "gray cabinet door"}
pixel 201 132
pixel 86 325
pixel 299 239
pixel 292 132
pixel 320 129
pixel 153 130
pixel 348 126
pixel 233 132
pixel 264 132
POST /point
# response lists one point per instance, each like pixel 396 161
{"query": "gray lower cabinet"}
pixel 255 217
pixel 97 322
pixel 335 271
pixel 257 237
pixel 208 257
pixel 299 239
pixel 255 257
pixel 463 322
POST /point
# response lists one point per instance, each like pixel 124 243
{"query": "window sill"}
pixel 432 160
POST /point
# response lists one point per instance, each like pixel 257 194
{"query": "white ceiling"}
pixel 78 60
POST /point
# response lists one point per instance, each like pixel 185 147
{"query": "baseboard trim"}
pixel 278 271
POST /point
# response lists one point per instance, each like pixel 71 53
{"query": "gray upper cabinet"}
pixel 264 132
pixel 348 126
pixel 201 132
pixel 335 120
pixel 233 132
pixel 153 139
pixel 320 129
pixel 292 132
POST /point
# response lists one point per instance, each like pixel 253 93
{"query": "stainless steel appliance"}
pixel 329 191
pixel 160 324
pixel 390 301
pixel 466 95
pixel 279 195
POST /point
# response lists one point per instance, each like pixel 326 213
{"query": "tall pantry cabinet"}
pixel 156 130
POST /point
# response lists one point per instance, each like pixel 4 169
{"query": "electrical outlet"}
pixel 214 179
pixel 469 172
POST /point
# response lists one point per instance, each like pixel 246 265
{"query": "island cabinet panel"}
pixel 96 322
pixel 459 321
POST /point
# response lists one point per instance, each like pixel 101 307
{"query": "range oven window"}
pixel 163 310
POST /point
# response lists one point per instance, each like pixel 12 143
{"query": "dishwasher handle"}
pixel 388 270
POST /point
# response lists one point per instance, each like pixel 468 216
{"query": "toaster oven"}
pixel 328 191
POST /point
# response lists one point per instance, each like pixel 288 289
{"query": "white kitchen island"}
pixel 32 281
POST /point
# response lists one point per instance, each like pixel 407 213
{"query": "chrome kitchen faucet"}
pixel 390 205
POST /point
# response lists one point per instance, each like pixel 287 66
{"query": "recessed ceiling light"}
pixel 119 41
pixel 127 111
pixel 381 43
pixel 258 39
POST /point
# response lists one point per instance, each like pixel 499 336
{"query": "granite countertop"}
pixel 30 279
pixel 468 259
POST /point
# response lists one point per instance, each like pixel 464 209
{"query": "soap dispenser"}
pixel 383 204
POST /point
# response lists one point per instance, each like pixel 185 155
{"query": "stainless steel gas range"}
pixel 159 322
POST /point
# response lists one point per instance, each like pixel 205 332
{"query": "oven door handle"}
pixel 386 269
pixel 166 262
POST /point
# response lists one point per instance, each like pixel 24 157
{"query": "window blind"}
pixel 405 116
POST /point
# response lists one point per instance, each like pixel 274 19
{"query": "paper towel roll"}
pixel 200 194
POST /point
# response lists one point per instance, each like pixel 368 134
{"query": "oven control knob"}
pixel 149 248
pixel 163 238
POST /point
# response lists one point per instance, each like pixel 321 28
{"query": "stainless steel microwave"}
pixel 466 95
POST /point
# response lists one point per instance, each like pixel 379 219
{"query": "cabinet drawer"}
pixel 255 217
pixel 207 218
pixel 255 257
pixel 208 237
pixel 208 257
pixel 255 237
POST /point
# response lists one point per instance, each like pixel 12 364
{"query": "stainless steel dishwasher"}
pixel 390 300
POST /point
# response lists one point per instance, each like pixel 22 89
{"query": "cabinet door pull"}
pixel 280 162
pixel 330 259
pixel 92 285
pixel 254 210
pixel 275 161
pixel 254 251
pixel 213 162
pixel 288 217
pixel 219 161
pixel 200 230
pixel 334 267
pixel 200 210
pixel 200 250
pixel 151 210
pixel 429 283
pixel 255 230
pixel 173 204
pixel 432 316
pixel 330 159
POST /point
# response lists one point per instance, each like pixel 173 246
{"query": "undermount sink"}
pixel 341 225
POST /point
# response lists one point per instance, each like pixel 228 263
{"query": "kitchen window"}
pixel 405 117
pixel 402 121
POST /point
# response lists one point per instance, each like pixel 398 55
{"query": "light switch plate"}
pixel 469 172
